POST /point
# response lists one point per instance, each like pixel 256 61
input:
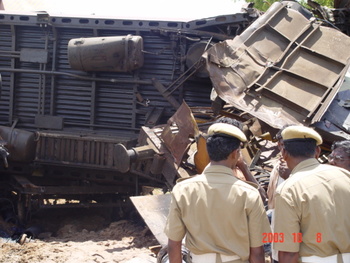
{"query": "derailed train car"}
pixel 92 112
pixel 76 91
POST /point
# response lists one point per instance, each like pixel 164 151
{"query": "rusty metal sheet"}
pixel 169 169
pixel 154 210
pixel 177 133
pixel 285 68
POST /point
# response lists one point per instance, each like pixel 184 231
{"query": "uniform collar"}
pixel 305 165
pixel 211 169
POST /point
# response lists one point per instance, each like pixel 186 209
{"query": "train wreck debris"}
pixel 266 77
pixel 79 95
pixel 80 126
pixel 286 68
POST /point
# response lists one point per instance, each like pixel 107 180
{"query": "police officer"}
pixel 222 217
pixel 311 207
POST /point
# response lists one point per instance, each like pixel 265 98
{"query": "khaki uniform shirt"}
pixel 312 210
pixel 218 213
pixel 274 181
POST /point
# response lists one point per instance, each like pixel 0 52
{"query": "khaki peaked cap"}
pixel 297 133
pixel 225 129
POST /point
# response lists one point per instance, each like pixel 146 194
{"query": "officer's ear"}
pixel 317 152
pixel 284 153
pixel 235 154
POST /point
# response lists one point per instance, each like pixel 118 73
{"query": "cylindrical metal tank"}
pixel 117 54
pixel 21 144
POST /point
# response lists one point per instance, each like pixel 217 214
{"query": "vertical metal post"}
pixel 12 77
pixel 53 78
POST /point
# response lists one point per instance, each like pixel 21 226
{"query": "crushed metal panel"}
pixel 178 131
pixel 336 121
pixel 154 210
pixel 169 169
pixel 285 68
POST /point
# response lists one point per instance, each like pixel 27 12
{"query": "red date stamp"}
pixel 279 237
pixel 273 238
pixel 297 237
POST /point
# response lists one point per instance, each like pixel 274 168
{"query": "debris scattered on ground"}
pixel 71 238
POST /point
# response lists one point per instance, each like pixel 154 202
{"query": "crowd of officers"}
pixel 222 219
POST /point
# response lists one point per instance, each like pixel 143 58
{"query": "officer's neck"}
pixel 230 162
pixel 224 163
pixel 294 161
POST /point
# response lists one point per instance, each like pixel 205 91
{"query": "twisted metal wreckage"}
pixel 84 100
pixel 285 68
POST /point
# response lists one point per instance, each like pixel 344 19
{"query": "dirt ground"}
pixel 79 237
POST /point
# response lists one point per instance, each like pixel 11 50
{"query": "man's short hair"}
pixel 305 148
pixel 223 139
pixel 300 141
pixel 219 148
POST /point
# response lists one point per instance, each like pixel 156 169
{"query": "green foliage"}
pixel 263 5
pixel 328 3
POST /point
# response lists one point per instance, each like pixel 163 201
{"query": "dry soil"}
pixel 72 237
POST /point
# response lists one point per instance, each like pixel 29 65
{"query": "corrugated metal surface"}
pixel 27 86
pixel 87 104
pixel 88 151
pixel 5 62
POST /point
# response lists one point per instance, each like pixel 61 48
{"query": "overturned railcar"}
pixel 76 91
